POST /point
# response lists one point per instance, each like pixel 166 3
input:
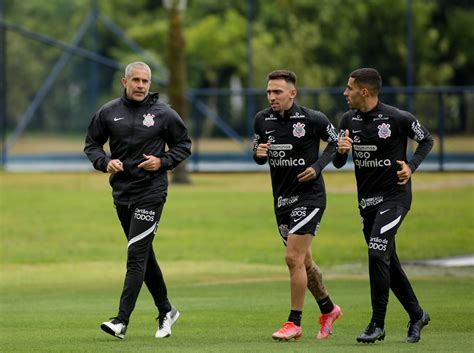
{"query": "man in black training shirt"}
pixel 377 134
pixel 288 136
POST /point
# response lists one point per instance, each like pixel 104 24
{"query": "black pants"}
pixel 380 227
pixel 139 222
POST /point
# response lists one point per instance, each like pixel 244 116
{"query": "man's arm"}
pixel 97 136
pixel 178 142
pixel 420 134
pixel 260 147
pixel 344 145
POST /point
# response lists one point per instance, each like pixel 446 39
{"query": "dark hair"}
pixel 369 77
pixel 286 75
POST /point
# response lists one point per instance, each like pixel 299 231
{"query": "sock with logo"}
pixel 295 317
pixel 325 305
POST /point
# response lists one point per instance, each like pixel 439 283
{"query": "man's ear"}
pixel 124 82
pixel 293 93
pixel 365 92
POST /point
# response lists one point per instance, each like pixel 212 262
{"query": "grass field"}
pixel 63 261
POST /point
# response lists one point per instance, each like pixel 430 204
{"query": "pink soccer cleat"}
pixel 287 332
pixel 326 321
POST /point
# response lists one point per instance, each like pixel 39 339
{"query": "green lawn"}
pixel 63 261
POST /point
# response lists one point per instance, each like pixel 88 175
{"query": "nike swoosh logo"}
pixel 297 220
pixel 356 131
pixel 382 212
pixel 117 119
pixel 269 132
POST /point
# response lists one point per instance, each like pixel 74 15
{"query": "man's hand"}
pixel 404 174
pixel 344 144
pixel 308 174
pixel 150 163
pixel 262 150
pixel 114 166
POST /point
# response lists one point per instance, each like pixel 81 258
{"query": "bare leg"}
pixel 296 252
pixel 315 278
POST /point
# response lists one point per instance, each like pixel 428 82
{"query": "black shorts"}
pixel 301 218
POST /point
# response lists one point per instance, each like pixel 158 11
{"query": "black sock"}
pixel 295 317
pixel 325 305
pixel 379 323
pixel 416 316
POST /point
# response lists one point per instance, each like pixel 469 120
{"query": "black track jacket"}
pixel 380 139
pixel 133 129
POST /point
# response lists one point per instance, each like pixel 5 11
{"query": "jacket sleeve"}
pixel 339 160
pixel 420 134
pixel 327 132
pixel 177 140
pixel 257 139
pixel 97 136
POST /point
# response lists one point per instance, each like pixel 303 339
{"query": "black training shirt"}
pixel 294 147
pixel 380 138
pixel 134 129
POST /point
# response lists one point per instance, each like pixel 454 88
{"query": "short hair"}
pixel 288 76
pixel 137 65
pixel 369 77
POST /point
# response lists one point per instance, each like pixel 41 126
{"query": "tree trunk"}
pixel 177 79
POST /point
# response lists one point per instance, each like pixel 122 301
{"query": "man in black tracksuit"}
pixel 287 136
pixel 377 134
pixel 138 126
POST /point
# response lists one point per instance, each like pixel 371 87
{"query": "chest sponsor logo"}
pixel 365 148
pixel 381 117
pixel 356 118
pixel 117 119
pixel 271 117
pixel 297 116
pixel 148 120
pixel 370 201
pixel 384 131
pixel 281 147
pixel 298 130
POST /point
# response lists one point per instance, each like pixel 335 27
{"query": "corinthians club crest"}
pixel 148 120
pixel 384 131
pixel 298 130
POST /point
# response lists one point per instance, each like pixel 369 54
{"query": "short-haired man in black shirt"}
pixel 146 138
pixel 377 134
pixel 288 137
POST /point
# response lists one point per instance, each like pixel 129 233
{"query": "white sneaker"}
pixel 114 327
pixel 165 322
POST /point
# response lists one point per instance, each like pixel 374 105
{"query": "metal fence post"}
pixel 441 131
